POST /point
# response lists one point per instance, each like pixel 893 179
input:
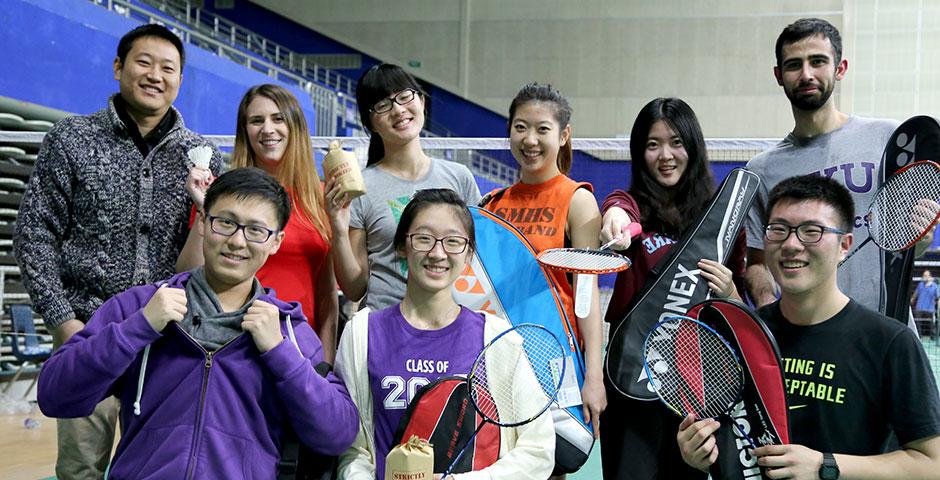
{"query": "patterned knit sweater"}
pixel 98 217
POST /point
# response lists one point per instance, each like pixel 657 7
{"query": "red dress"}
pixel 293 271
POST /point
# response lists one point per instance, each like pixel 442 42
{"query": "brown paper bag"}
pixel 412 460
pixel 344 167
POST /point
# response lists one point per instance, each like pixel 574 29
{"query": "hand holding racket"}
pixel 693 369
pixel 905 208
pixel 515 378
pixel 588 260
pixel 616 222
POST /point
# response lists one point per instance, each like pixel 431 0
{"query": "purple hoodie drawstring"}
pixel 143 363
pixel 143 373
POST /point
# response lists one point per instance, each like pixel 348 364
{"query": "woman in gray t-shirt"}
pixel 391 108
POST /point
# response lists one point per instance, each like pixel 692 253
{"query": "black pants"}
pixel 638 441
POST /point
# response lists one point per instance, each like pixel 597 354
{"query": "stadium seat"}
pixel 30 351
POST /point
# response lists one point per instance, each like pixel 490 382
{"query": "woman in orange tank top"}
pixel 555 211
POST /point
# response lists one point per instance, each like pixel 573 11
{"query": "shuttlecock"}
pixel 199 157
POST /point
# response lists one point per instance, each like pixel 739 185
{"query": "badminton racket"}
pixel 693 369
pixel 904 209
pixel 515 378
pixel 585 262
pixel 588 260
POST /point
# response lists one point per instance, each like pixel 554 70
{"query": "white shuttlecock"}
pixel 199 157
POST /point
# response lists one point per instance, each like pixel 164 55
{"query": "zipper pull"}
pixel 209 360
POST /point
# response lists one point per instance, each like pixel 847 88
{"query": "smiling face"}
pixel 808 72
pixel 231 261
pixel 150 76
pixel 535 138
pixel 266 129
pixel 402 124
pixel 665 155
pixel 435 271
pixel 806 269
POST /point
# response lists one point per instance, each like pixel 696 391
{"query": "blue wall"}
pixel 62 52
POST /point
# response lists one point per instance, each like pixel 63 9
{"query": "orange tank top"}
pixel 540 212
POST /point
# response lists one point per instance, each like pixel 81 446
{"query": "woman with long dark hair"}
pixel 671 185
pixel 392 108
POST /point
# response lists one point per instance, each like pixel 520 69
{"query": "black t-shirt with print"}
pixel 852 379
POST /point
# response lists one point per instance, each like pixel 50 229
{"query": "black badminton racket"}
pixel 515 378
pixel 693 369
pixel 904 209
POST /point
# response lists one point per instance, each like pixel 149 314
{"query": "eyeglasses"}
pixel 228 227
pixel 422 242
pixel 805 232
pixel 403 97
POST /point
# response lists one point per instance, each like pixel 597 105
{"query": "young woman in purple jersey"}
pixel 386 356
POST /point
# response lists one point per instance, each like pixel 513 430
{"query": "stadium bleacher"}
pixel 17 160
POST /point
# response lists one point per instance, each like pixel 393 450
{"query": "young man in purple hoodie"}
pixel 210 368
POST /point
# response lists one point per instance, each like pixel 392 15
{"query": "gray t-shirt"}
pixel 378 213
pixel 851 155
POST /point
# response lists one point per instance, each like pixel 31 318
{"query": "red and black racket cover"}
pixel 762 410
pixel 443 414
pixel 916 139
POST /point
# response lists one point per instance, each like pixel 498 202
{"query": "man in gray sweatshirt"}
pixel 106 209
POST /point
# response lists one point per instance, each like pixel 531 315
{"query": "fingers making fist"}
pixel 697 442
pixel 263 322
pixel 719 279
pixel 923 214
pixel 197 183
pixel 337 205
pixel 615 222
pixel 167 305
pixel 789 461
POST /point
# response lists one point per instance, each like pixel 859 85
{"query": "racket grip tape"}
pixel 583 290
pixel 633 228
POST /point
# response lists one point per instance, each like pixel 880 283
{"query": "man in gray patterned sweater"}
pixel 106 209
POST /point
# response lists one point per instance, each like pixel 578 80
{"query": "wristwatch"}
pixel 829 469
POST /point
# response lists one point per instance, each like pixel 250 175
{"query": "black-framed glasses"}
pixel 229 227
pixel 403 97
pixel 805 232
pixel 422 242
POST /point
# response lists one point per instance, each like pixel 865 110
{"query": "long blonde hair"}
pixel 296 169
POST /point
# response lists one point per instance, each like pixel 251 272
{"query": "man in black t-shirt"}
pixel 852 375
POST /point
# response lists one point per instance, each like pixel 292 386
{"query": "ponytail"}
pixel 565 156
pixel 376 150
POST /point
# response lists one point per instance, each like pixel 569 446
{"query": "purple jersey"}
pixel 402 359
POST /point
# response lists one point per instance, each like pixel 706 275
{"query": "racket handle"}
pixel 583 290
pixel 744 434
pixel 456 459
pixel 633 228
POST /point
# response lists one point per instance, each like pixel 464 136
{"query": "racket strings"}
pixel 890 218
pixel 530 358
pixel 694 371
pixel 584 260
